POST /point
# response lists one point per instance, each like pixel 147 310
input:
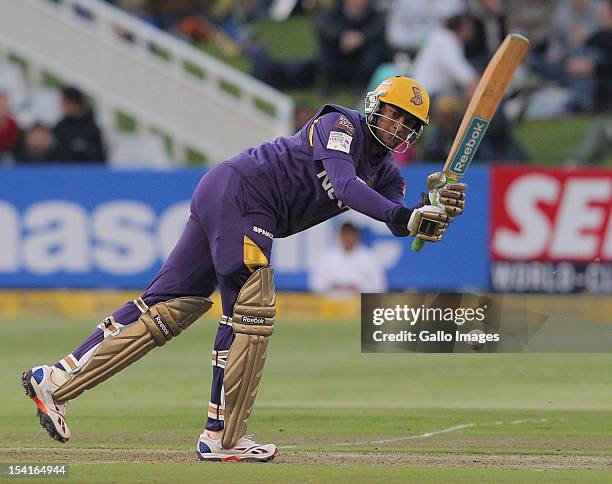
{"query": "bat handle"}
pixel 417 245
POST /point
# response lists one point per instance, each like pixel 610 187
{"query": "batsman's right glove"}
pixel 450 196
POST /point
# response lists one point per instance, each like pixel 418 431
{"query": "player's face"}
pixel 394 125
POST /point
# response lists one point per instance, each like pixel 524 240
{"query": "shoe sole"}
pixel 235 458
pixel 45 421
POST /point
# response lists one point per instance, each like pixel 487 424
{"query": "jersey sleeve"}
pixel 355 193
pixel 392 186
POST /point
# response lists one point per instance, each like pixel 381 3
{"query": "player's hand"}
pixel 429 223
pixel 449 196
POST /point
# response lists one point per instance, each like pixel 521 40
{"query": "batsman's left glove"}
pixel 428 223
pixel 449 196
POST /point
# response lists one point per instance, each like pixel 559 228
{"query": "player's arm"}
pixel 357 195
pixel 393 187
pixel 425 222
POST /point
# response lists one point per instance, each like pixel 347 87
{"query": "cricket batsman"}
pixel 338 160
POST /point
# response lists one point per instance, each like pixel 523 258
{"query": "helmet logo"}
pixel 417 99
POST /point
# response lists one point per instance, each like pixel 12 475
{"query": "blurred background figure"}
pixel 531 18
pixel 9 129
pixel 590 66
pixel 79 138
pixel 442 64
pixel 409 22
pixel 573 23
pixel 490 29
pixel 352 43
pixel 37 145
pixel 347 269
pixel 447 111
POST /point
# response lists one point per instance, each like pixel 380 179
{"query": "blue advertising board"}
pixel 91 227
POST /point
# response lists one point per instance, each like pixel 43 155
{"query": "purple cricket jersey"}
pixel 321 171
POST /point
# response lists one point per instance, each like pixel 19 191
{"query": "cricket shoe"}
pixel 246 450
pixel 40 382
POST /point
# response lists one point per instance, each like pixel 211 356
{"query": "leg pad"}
pixel 253 323
pixel 158 324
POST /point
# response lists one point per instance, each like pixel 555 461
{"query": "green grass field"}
pixel 336 414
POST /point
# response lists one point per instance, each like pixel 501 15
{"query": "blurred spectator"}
pixel 592 63
pixel 166 14
pixel 489 30
pixel 441 65
pixel 447 111
pixel 578 54
pixel 595 145
pixel 497 146
pixel 9 129
pixel 281 74
pixel 347 269
pixel 78 136
pixel 409 22
pixel 351 42
pixel 531 18
pixel 573 22
pixel 37 145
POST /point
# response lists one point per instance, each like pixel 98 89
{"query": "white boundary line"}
pixel 430 434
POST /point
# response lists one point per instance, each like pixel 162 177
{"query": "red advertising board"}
pixel 551 229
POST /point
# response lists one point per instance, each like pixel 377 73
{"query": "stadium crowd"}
pixel 445 44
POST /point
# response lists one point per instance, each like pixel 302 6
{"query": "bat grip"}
pixel 418 244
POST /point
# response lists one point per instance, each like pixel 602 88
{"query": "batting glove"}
pixel 429 223
pixel 449 196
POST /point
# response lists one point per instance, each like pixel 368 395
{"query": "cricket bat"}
pixel 481 109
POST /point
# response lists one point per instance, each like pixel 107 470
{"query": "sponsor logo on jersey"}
pixel 259 230
pixel 343 123
pixel 467 149
pixel 417 99
pixel 253 320
pixel 339 141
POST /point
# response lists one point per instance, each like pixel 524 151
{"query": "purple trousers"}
pixel 208 255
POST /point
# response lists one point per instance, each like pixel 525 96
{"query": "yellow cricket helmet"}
pixel 405 93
